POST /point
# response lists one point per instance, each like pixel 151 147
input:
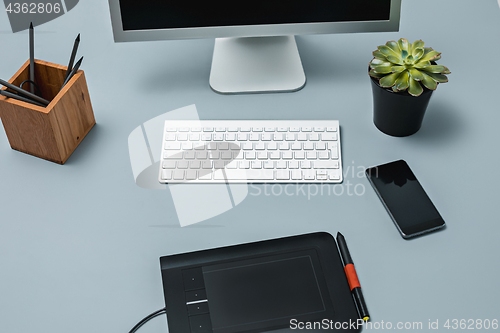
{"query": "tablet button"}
pixel 193 279
pixel 196 295
pixel 197 308
pixel 200 323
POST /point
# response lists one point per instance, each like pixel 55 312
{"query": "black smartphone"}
pixel 404 198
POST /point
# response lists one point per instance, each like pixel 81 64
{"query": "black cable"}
pixel 31 82
pixel 148 318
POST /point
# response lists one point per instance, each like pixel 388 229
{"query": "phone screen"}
pixel 404 198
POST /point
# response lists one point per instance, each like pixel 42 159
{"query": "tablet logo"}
pixel 193 203
pixel 22 13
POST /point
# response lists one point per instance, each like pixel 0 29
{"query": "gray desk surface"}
pixel 79 243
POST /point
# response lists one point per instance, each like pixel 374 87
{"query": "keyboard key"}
pixel 178 174
pixel 191 174
pixel 166 174
pixel 309 174
pixel 282 129
pixel 331 129
pixel 256 164
pixel 323 155
pixel 182 137
pixel 294 129
pixel 257 129
pixel 319 129
pixel 331 164
pixel 282 174
pixel 262 155
pixel 269 129
pixel 329 136
pixel 306 129
pixel 195 164
pixel 275 155
pixel 220 129
pixel 281 164
pixel 208 129
pixel 314 137
pixel 226 155
pixel 268 164
pixel 296 175
pixel 169 164
pixel 251 174
pixel 254 136
pixel 172 146
pixel 170 137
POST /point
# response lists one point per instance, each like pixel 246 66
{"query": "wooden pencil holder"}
pixel 51 132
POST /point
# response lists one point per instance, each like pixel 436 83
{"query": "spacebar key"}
pixel 251 175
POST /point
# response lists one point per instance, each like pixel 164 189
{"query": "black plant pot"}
pixel 398 113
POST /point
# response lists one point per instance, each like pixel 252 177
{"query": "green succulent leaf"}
pixel 395 60
pixel 404 45
pixel 398 69
pixel 415 88
pixel 402 81
pixel 418 53
pixel 409 60
pixel 404 54
pixel 376 75
pixel 383 69
pixel 386 50
pixel 389 80
pixel 378 54
pixel 437 77
pixel 437 69
pixel 432 55
pixel 394 46
pixel 416 74
pixel 418 44
pixel 379 62
pixel 422 64
pixel 395 89
pixel 429 82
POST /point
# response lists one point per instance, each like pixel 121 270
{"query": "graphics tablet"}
pixel 276 285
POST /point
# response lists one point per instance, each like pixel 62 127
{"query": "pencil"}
pixel 72 58
pixel 32 57
pixel 20 98
pixel 73 72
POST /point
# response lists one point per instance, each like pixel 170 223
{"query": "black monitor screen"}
pixel 170 14
pixel 262 292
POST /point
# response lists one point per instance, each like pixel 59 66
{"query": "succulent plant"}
pixel 404 66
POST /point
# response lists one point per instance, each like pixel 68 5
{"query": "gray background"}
pixel 79 243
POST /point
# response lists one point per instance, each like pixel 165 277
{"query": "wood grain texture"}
pixel 54 132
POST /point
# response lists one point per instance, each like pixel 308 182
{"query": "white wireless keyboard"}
pixel 251 151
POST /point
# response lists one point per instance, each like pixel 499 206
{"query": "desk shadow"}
pixel 201 226
pixel 86 146
pixel 441 124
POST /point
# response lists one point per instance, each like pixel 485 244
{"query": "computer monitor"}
pixel 255 49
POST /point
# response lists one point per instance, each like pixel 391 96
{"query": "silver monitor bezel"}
pixel 251 30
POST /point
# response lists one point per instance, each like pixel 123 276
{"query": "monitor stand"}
pixel 256 65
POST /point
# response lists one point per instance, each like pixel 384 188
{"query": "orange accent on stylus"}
pixel 352 277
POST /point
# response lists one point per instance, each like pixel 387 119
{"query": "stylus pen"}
pixel 20 98
pixel 24 92
pixel 352 277
pixel 32 57
pixel 73 72
pixel 72 57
